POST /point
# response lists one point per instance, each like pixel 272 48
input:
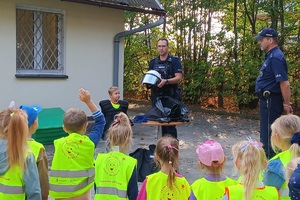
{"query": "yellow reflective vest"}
pixel 157 187
pixel 12 184
pixel 235 192
pixel 285 157
pixel 35 148
pixel 113 172
pixel 204 189
pixel 72 171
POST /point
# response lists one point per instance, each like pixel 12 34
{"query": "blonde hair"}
pixel 215 168
pixel 290 168
pixel 285 127
pixel 167 152
pixel 120 132
pixel 250 160
pixel 74 120
pixel 14 129
pixel 112 89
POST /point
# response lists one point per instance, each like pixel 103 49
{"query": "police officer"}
pixel 272 86
pixel 170 69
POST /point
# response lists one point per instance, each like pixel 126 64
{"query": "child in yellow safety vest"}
pixel 212 160
pixel 116 172
pixel 19 177
pixel 73 170
pixel 37 148
pixel 167 183
pixel 250 160
pixel 285 142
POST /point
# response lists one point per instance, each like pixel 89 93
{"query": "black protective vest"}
pixel 164 68
pixel 166 71
pixel 109 111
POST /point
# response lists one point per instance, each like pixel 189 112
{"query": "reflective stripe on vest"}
pixel 284 192
pixel 113 171
pixel 72 174
pixel 72 169
pixel 71 188
pixel 12 186
pixel 284 157
pixel 112 191
pixel 11 189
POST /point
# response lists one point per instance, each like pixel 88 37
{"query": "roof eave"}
pixel 120 7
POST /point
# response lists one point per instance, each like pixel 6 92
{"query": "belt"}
pixel 266 94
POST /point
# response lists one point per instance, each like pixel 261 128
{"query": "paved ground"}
pixel 226 129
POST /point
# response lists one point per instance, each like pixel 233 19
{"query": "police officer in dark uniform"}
pixel 170 69
pixel 272 86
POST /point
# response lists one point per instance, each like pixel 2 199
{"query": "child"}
pixel 284 129
pixel 72 172
pixel 212 160
pixel 112 107
pixel 37 148
pixel 116 173
pixel 250 160
pixel 167 183
pixel 18 170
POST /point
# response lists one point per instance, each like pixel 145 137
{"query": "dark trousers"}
pixel 270 109
pixel 169 130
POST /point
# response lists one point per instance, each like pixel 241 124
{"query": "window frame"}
pixel 43 73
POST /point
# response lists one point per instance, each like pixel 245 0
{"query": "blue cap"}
pixel 266 32
pixel 32 112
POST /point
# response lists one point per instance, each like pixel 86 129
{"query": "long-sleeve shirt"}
pixel 31 179
pixel 97 130
pixel 42 166
pixel 132 190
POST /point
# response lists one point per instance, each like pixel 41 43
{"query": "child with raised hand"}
pixel 116 172
pixel 37 148
pixel 167 183
pixel 72 171
pixel 212 160
pixel 18 170
pixel 284 141
pixel 250 160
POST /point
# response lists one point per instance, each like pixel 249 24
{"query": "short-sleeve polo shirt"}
pixel 272 72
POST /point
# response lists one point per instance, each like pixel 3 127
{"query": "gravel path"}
pixel 224 128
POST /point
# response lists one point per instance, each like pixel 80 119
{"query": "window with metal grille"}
pixel 39 41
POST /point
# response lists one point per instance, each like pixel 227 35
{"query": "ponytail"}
pixel 251 160
pixel 120 132
pixel 295 147
pixel 167 153
pixel 14 129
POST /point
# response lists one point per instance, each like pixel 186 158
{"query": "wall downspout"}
pixel 117 38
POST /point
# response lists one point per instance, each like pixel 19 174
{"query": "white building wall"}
pixel 89 32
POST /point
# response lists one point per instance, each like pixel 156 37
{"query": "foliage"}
pixel 214 40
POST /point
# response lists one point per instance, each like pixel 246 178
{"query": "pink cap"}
pixel 210 151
